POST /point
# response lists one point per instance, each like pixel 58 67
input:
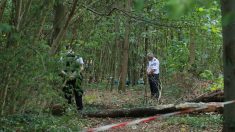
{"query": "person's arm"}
pixel 148 70
pixel 81 62
pixel 152 71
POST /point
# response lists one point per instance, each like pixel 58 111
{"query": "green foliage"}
pixel 218 84
pixel 207 75
pixel 177 58
pixel 138 5
pixel 34 122
pixel 30 78
pixel 197 121
pixel 177 8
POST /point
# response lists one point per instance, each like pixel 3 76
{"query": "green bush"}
pixel 218 84
pixel 207 75
pixel 29 78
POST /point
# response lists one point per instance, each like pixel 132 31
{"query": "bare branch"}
pixel 139 18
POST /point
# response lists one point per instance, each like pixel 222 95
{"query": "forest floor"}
pixel 96 97
pixel 134 97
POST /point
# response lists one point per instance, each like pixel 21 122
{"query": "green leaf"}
pixel 138 5
pixel 215 29
pixel 200 9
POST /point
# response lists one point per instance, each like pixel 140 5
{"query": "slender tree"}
pixel 56 43
pixel 125 55
pixel 192 50
pixel 2 8
pixel 59 17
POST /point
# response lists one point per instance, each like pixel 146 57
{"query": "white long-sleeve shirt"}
pixel 153 65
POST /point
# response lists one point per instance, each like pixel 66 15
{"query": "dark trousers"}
pixel 154 84
pixel 69 89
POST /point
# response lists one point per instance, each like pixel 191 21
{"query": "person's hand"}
pixel 81 68
pixel 63 73
pixel 148 71
pixel 73 75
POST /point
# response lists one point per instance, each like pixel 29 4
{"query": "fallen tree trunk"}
pixel 150 111
pixel 215 96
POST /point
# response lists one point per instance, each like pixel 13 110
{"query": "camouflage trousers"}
pixel 74 87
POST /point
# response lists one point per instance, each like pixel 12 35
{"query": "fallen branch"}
pixel 150 111
pixel 207 106
pixel 215 96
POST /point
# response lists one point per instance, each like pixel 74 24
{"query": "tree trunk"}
pixel 60 12
pixel 56 43
pixel 192 50
pixel 18 10
pixel 5 94
pixel 115 50
pixel 180 34
pixel 99 67
pixel 25 13
pixel 125 51
pixel 146 46
pixel 40 29
pixel 2 8
pixel 75 31
pixel 228 20
pixel 134 70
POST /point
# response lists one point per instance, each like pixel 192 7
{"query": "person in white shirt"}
pixel 153 75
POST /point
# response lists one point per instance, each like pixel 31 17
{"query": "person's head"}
pixel 150 56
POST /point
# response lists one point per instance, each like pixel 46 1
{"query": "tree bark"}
pixel 125 51
pixel 228 21
pixel 133 65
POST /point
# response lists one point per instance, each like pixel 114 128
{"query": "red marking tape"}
pixel 148 119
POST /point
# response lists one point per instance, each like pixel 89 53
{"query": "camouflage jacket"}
pixel 71 68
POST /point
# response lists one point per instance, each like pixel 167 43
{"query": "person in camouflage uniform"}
pixel 73 79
